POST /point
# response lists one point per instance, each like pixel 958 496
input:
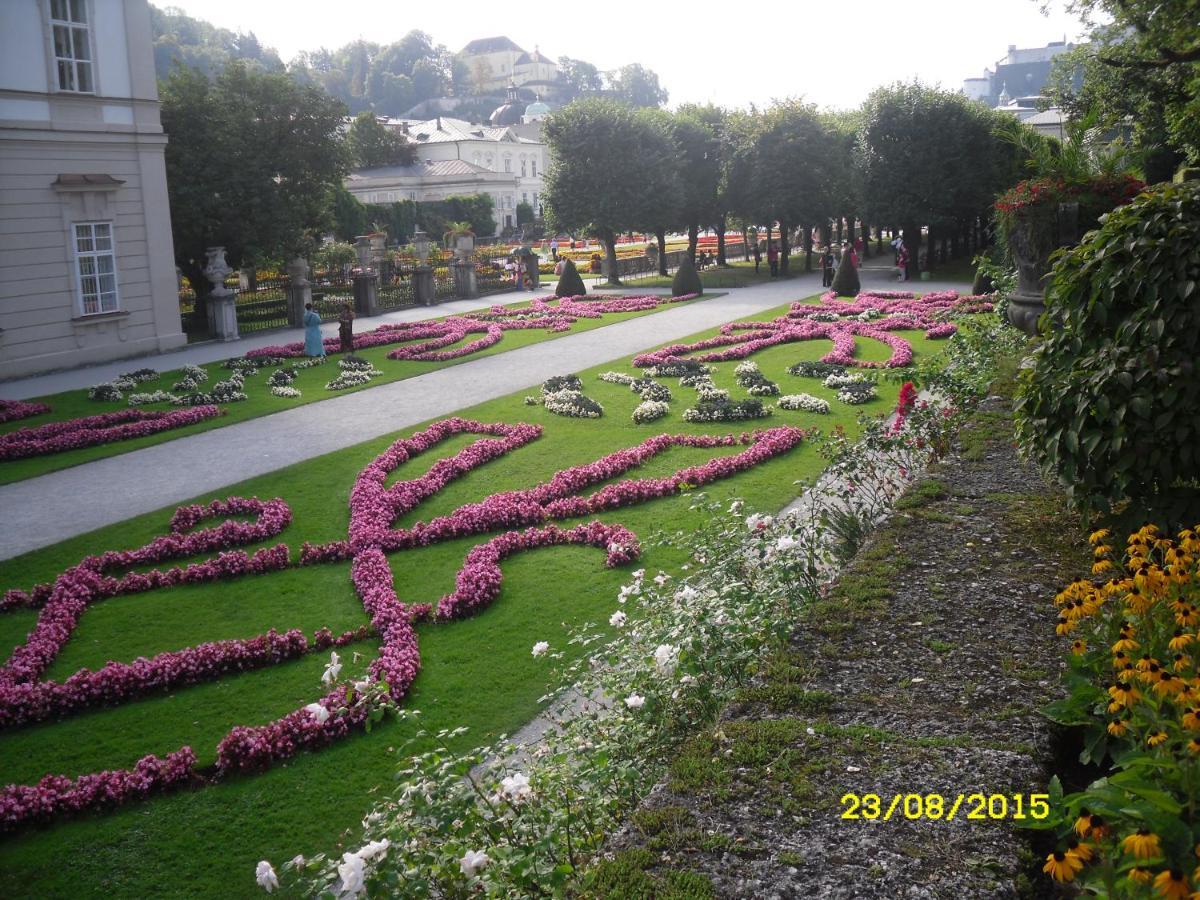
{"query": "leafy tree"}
pixel 664 192
pixel 845 280
pixel 350 215
pixel 196 44
pixel 370 144
pixel 781 169
pixel 524 213
pixel 913 174
pixel 637 86
pixel 580 77
pixel 608 171
pixel 698 134
pixel 253 162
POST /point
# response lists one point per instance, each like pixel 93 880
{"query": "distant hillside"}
pixel 197 44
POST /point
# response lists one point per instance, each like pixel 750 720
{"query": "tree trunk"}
pixel 194 273
pixel 609 240
pixel 931 253
pixel 850 230
pixel 784 249
pixel 839 230
pixel 693 237
pixel 721 261
pixel 661 236
pixel 808 248
pixel 954 248
pixel 878 238
pixel 912 243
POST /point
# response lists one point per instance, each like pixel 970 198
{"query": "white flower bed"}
pixel 846 380
pixel 572 403
pixel 352 376
pixel 857 397
pixel 283 390
pixel 156 397
pixel 804 403
pixel 649 410
pixel 616 378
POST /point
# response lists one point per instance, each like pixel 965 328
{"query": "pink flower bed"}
pixel 901 311
pixel 548 313
pixel 374 507
pixel 123 425
pixel 11 410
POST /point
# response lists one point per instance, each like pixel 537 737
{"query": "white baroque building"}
pixel 456 158
pixel 496 62
pixel 87 271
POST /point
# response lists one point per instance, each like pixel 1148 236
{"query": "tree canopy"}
pixel 636 85
pixel 181 40
pixel 369 144
pixel 611 166
pixel 252 163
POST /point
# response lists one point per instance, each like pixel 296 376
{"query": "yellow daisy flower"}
pixel 1142 844
pixel 1172 884
pixel 1061 866
pixel 1098 537
pixel 1140 876
pixel 1159 737
pixel 1079 647
pixel 1181 639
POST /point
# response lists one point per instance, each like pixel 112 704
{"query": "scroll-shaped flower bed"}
pixel 12 410
pixel 547 313
pixel 835 321
pixel 525 520
pixel 88 431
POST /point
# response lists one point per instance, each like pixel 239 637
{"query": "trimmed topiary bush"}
pixel 982 283
pixel 569 282
pixel 1112 404
pixel 845 280
pixel 686 280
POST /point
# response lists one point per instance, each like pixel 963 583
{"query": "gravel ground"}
pixel 920 673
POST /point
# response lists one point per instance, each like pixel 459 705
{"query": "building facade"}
pixel 496 62
pixel 87 271
pixel 1021 73
pixel 456 158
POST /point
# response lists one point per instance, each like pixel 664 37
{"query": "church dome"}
pixel 510 112
pixel 537 108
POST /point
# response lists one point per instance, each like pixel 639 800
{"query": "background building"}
pixel 87 270
pixel 496 62
pixel 1021 73
pixel 456 158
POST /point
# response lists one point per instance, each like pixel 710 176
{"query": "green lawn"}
pixel 477 672
pixel 260 401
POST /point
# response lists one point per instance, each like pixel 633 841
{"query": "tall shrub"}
pixel 686 280
pixel 569 282
pixel 845 280
pixel 1112 404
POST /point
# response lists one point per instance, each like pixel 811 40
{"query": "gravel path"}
pixel 50 508
pixel 920 673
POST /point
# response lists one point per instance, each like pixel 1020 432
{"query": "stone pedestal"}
pixel 222 317
pixel 423 291
pixel 366 295
pixel 299 292
pixel 466 286
pixel 222 302
pixel 1035 234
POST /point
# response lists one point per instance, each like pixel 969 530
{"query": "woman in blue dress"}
pixel 313 345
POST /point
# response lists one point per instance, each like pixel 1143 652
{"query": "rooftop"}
pixel 491 45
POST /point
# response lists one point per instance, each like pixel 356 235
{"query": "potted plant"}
pixel 460 238
pixel 1076 182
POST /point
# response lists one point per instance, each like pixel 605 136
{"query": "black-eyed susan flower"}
pixel 1127 674
pixel 1081 850
pixel 1172 884
pixel 1099 536
pixel 1062 866
pixel 1181 662
pixel 1083 823
pixel 1100 566
pixel 1125 642
pixel 1124 694
pixel 1181 639
pixel 1118 727
pixel 1140 876
pixel 1193 747
pixel 1079 647
pixel 1156 738
pixel 1146 663
pixel 1142 844
pixel 1191 719
pixel 1063 625
pixel 1168 685
pixel 1186 616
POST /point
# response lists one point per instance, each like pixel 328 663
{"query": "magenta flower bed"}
pixel 902 311
pixel 88 431
pixel 547 313
pixel 12 410
pixel 524 520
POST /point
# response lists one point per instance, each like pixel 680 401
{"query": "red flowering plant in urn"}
pixel 1076 182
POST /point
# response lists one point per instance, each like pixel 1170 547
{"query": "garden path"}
pixel 41 511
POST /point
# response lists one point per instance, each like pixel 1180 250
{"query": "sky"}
pixel 725 53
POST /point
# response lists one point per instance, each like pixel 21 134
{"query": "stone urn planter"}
pixel 1037 231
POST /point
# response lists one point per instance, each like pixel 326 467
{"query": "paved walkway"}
pixel 44 510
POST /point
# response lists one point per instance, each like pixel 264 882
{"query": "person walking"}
pixel 346 328
pixel 827 266
pixel 757 257
pixel 902 262
pixel 554 249
pixel 313 345
pixel 773 259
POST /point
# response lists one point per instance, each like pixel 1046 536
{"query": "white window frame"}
pixel 94 254
pixel 533 174
pixel 74 61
